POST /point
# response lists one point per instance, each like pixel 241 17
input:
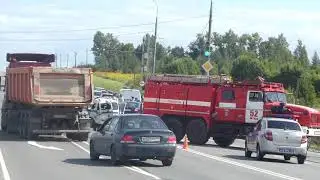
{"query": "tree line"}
pixel 244 56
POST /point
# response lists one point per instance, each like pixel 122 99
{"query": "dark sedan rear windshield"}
pixel 284 125
pixel 143 122
pixel 132 105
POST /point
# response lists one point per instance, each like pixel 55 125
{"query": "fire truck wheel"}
pixel 175 126
pixel 197 132
pixel 224 141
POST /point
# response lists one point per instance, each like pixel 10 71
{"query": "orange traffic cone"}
pixel 185 142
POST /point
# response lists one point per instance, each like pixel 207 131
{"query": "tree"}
pixel 246 68
pixel 148 44
pixel 289 75
pixel 315 59
pixel 197 47
pixel 301 54
pixel 128 60
pixel 105 49
pixel 305 89
pixel 177 52
pixel 275 49
pixel 182 66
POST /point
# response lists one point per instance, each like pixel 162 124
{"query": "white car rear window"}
pixel 284 125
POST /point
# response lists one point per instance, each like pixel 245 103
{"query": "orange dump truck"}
pixel 43 100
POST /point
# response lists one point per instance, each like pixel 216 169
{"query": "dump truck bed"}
pixel 50 86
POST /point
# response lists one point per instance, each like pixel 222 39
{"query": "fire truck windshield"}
pixel 275 97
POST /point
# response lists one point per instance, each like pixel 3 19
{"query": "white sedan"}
pixel 277 136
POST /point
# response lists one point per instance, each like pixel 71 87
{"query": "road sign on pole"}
pixel 207 66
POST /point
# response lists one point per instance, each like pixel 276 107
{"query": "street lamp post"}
pixel 155 40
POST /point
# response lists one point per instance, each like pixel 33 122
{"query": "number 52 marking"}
pixel 254 114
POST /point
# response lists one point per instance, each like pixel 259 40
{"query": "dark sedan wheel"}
pixel 93 154
pixel 114 158
pixel 167 162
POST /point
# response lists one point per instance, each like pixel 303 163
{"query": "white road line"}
pixel 85 142
pixel 33 143
pixel 80 147
pixel 240 164
pixel 4 168
pixel 132 168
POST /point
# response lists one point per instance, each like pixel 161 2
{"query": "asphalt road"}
pixel 52 158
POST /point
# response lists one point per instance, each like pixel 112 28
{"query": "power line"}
pixel 100 28
pixel 71 39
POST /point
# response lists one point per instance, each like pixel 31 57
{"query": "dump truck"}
pixel 43 100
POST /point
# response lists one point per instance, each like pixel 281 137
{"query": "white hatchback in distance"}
pixel 277 136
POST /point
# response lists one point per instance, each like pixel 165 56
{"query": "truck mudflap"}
pixel 50 131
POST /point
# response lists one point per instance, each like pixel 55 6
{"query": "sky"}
pixel 65 27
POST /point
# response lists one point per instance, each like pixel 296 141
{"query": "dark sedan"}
pixel 133 136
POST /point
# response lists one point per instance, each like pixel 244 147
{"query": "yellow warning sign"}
pixel 207 66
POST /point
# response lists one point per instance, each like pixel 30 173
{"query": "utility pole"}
pixel 56 59
pixel 142 57
pixel 67 59
pixel 148 52
pixel 209 34
pixel 155 41
pixel 87 56
pixel 75 59
pixel 60 58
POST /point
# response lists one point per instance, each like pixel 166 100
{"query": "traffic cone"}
pixel 185 143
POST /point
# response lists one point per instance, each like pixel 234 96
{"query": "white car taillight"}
pixel 304 139
pixel 268 135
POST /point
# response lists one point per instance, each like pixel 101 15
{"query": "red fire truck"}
pixel 204 107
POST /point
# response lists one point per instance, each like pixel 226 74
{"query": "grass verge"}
pixel 315 147
pixel 107 83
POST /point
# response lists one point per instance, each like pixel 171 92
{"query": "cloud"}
pixel 3 19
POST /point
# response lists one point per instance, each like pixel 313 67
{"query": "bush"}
pixel 131 80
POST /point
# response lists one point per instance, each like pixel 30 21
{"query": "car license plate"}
pixel 150 139
pixel 286 150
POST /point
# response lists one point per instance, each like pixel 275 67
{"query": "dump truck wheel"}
pixel 3 121
pixel 10 124
pixel 21 125
pixel 29 127
pixel 197 132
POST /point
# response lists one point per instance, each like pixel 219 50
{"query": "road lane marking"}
pixel 85 142
pixel 132 168
pixel 240 164
pixel 4 168
pixel 33 143
pixel 80 147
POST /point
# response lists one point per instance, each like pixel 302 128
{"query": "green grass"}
pixel 315 147
pixel 107 83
